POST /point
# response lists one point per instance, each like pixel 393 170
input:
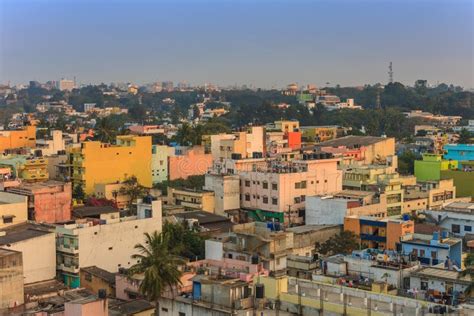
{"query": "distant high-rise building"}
pixel 66 85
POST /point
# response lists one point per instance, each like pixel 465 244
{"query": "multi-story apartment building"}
pixel 24 138
pixel 282 187
pixel 48 201
pixel 431 166
pixel 226 188
pixel 375 233
pixel 66 85
pixel 27 168
pixel 102 242
pixel 434 193
pixel 192 199
pixel 95 162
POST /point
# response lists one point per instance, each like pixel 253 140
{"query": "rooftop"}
pixel 309 228
pixel 352 141
pixel 91 211
pixel 443 274
pixel 23 231
pixel 105 275
pixel 130 307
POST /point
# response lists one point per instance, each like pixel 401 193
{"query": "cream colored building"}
pixel 431 195
pixel 108 244
pixel 13 209
pixel 193 199
pixel 111 192
pixel 226 188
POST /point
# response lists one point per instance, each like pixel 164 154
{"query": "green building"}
pixel 431 166
pixel 463 179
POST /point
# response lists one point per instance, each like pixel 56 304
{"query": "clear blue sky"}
pixel 265 43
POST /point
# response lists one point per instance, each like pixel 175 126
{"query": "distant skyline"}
pixel 261 43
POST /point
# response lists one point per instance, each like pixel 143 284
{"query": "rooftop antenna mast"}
pixel 390 73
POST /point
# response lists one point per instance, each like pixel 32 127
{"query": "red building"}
pixel 294 139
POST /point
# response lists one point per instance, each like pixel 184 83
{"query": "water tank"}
pixel 406 217
pixel 259 291
pixel 102 293
pixel 444 234
pixel 255 259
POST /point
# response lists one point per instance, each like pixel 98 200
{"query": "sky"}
pixel 262 43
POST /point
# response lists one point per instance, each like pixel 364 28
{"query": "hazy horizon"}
pixel 261 43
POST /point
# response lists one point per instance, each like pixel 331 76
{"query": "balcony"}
pixel 375 238
pixel 74 268
pixel 68 248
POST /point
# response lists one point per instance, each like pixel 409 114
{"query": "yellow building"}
pixel 26 168
pixel 97 162
pixel 430 195
pixel 194 199
pixel 287 126
pixel 377 178
pixel 18 138
pixel 317 134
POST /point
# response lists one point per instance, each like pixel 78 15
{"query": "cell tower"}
pixel 390 73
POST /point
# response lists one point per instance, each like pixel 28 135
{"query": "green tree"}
pixel 159 266
pixel 105 130
pixel 132 188
pixel 343 243
pixel 406 162
pixel 78 193
pixel 465 137
pixel 184 241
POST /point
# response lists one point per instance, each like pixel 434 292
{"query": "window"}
pixel 7 219
pixel 247 197
pixel 265 184
pixel 163 309
pixel 303 198
pixel 181 314
pixel 422 252
pixel 247 183
pixel 434 255
pixel 265 199
pixel 297 199
pixel 455 228
pixel 274 186
pixel 303 184
pixel 424 285
pixel 467 228
pixel 274 201
pixel 297 185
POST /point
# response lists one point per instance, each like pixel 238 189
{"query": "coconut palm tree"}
pixel 159 266
pixel 133 189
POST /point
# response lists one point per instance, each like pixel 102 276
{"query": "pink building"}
pixel 189 162
pixel 283 186
pixel 48 201
pixel 86 307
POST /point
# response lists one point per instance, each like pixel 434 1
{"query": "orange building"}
pixel 18 138
pixel 379 233
pixel 189 162
pixel 294 139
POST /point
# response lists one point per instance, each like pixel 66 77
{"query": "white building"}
pixel 38 245
pixel 51 146
pixel 456 218
pixel 107 243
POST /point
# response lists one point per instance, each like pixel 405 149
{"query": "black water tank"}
pixel 102 293
pixel 255 259
pixel 259 291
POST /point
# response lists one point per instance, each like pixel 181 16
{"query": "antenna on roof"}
pixel 390 73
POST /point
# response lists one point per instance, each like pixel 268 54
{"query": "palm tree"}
pixel 159 266
pixel 132 188
pixel 106 131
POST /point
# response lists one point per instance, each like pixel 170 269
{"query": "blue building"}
pixel 433 250
pixel 459 152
